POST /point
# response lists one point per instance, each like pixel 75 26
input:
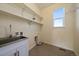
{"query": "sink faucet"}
pixel 10 26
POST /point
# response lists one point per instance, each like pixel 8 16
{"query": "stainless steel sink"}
pixel 7 39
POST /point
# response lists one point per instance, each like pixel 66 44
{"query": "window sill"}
pixel 58 27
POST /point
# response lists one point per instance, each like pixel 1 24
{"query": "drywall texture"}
pixel 61 37
pixel 29 29
pixel 76 41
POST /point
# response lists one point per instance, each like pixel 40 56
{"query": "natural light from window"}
pixel 58 17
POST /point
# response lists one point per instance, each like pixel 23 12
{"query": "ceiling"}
pixel 43 5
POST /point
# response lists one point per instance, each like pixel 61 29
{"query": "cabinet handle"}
pixel 16 53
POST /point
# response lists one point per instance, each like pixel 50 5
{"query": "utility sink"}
pixel 7 39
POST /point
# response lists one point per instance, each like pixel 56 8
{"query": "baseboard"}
pixel 59 46
pixel 46 42
pixel 76 53
pixel 63 47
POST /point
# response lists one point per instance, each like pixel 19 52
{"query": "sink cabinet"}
pixel 18 48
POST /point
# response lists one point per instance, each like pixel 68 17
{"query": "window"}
pixel 58 17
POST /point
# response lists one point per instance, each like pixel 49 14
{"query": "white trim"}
pixel 76 53
pixel 59 46
pixel 32 46
pixel 63 47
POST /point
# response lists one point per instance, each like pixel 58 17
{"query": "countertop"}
pixel 6 41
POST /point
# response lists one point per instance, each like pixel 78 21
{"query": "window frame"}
pixel 59 18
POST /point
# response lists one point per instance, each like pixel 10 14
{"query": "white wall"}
pixel 61 37
pixel 18 25
pixel 76 41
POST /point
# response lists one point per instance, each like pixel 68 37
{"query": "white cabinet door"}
pixel 27 15
pixel 11 8
pixel 23 49
pixel 9 53
pixel 19 48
